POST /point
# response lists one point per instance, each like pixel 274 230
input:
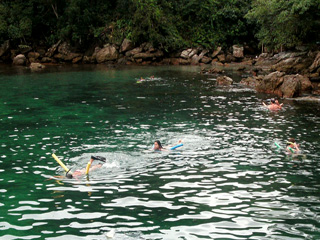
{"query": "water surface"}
pixel 228 181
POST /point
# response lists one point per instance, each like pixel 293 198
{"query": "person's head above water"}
pixel 273 100
pixel 157 145
pixel 291 141
pixel 69 175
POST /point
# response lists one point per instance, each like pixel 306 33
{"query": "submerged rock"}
pixel 36 66
pixel 224 81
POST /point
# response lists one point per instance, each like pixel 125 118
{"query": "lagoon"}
pixel 228 181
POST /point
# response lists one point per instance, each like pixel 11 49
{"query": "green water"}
pixel 228 181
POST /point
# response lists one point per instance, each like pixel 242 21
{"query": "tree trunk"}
pixel 54 8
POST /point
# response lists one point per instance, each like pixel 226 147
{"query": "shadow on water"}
pixel 228 181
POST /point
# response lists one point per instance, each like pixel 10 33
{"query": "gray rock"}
pixel 237 51
pixel 126 45
pixel 19 60
pixel 36 66
pixel 216 52
pixel 291 86
pixel 108 53
pixel 224 81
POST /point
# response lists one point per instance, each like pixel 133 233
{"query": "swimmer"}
pixel 157 146
pixel 274 105
pixel 141 80
pixel 80 172
pixel 292 146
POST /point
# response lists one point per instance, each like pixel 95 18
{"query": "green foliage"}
pixel 16 23
pixel 150 23
pixel 286 23
pixel 164 23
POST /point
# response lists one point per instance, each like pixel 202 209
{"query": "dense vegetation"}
pixel 165 23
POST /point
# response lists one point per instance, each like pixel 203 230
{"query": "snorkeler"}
pixel 80 172
pixel 274 105
pixel 292 146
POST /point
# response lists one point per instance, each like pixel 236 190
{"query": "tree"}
pixel 286 23
pixel 213 22
pixel 150 23
pixel 16 20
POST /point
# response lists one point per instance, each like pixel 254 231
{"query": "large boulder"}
pixel 126 45
pixel 286 86
pixel 292 62
pixel 108 53
pixel 291 86
pixel 224 81
pixel 19 60
pixel 237 51
pixel 306 84
pixel 271 83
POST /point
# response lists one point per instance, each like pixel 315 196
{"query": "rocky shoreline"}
pixel 285 74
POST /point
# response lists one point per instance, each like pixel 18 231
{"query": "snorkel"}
pixel 290 148
pixel 99 158
pixel 68 171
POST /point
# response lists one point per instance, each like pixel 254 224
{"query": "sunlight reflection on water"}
pixel 227 181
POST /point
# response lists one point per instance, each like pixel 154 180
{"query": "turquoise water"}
pixel 228 181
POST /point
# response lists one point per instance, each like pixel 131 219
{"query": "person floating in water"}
pixel 141 80
pixel 274 105
pixel 292 146
pixel 157 146
pixel 80 172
